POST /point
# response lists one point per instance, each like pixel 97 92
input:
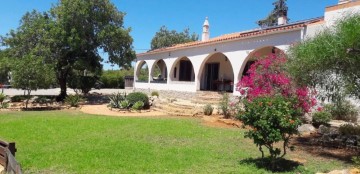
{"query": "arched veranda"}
pixel 159 72
pixel 216 73
pixel 182 70
pixel 256 54
pixel 142 72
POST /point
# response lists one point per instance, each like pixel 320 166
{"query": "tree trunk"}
pixel 62 83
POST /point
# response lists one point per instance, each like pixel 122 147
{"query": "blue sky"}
pixel 145 17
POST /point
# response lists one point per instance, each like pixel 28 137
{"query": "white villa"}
pixel 217 64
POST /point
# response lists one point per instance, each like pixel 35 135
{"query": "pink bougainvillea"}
pixel 266 77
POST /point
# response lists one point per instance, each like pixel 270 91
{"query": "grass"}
pixel 73 142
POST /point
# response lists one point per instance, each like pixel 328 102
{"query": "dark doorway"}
pixel 185 70
pixel 247 67
pixel 211 75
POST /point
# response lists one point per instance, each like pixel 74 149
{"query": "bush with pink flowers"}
pixel 273 104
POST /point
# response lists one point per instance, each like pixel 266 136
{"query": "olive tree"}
pixel 330 60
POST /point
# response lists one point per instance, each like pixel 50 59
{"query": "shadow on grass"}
pixel 281 165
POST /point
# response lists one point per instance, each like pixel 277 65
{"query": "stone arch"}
pixel 254 55
pixel 216 73
pixel 182 70
pixel 158 71
pixel 142 72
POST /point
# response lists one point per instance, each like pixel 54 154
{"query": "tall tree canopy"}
pixel 330 60
pixel 70 36
pixel 280 9
pixel 165 38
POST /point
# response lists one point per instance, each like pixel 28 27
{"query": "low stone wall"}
pixel 170 94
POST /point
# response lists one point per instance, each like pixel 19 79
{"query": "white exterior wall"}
pixel 236 51
pixel 332 16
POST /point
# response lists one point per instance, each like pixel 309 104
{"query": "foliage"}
pixel 267 77
pixel 155 93
pixel 138 96
pixel 73 100
pixel 115 78
pixel 165 38
pixel 280 9
pixel 137 106
pixel 124 104
pixel 342 110
pixel 273 104
pixel 272 119
pixel 18 98
pixel 329 61
pixel 143 75
pixel 116 99
pixel 349 129
pixel 4 67
pixel 356 161
pixel 83 83
pixel 70 36
pixel 4 105
pixel 321 118
pixel 224 106
pixel 2 97
pixel 208 109
pixel 31 73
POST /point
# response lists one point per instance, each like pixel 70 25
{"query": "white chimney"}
pixel 282 20
pixel 206 32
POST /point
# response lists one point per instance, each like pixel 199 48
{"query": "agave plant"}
pixel 116 99
pixel 124 104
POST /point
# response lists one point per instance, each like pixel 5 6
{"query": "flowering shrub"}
pixel 273 119
pixel 266 77
pixel 273 104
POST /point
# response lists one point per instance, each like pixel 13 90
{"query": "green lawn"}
pixel 73 142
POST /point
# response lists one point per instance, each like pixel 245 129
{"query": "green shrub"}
pixel 124 104
pixel 224 106
pixel 155 93
pixel 272 119
pixel 356 161
pixel 73 100
pixel 321 118
pixel 137 106
pixel 208 109
pixel 349 129
pixel 138 96
pixel 114 78
pixel 4 105
pixel 342 110
pixel 18 98
pixel 84 83
pixel 2 97
pixel 41 99
pixel 116 99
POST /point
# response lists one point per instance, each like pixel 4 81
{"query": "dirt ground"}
pixel 104 110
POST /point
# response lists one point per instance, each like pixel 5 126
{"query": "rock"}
pixel 323 129
pixel 306 129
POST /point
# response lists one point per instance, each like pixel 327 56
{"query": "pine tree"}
pixel 280 9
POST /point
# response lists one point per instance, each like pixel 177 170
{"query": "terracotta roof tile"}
pixel 238 35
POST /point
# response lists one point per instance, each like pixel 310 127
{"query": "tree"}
pixel 31 73
pixel 4 67
pixel 280 9
pixel 165 38
pixel 71 35
pixel 330 60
